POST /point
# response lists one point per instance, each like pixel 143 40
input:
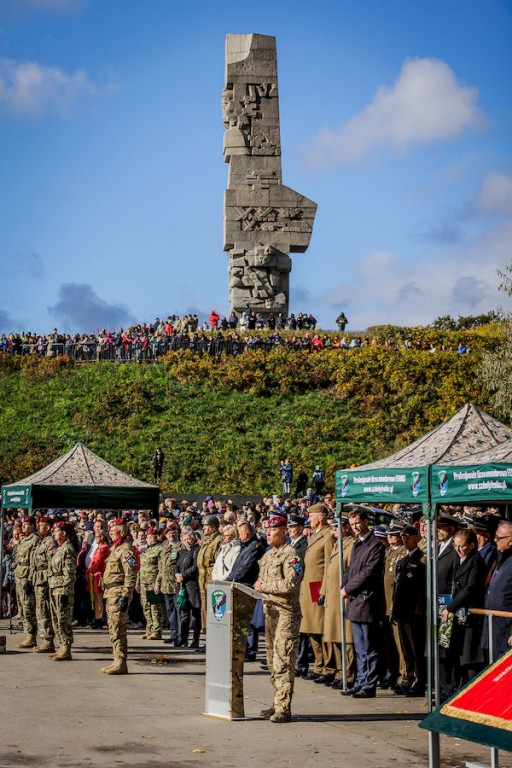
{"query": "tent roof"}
pixel 497 454
pixel 81 467
pixel 80 480
pixel 470 430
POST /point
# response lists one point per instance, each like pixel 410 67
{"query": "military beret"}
pixel 62 526
pixel 318 509
pixel 171 527
pixel 277 521
pixel 29 519
pixel 44 519
pixel 296 520
pixel 211 520
pixel 410 530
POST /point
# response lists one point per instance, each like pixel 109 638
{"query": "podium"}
pixel 229 612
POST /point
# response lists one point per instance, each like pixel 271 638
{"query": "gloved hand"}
pixel 64 601
pixel 28 589
pixel 321 600
pixel 122 604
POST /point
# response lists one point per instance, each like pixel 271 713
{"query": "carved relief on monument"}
pixel 264 221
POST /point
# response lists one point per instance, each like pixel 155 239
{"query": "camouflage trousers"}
pixel 61 608
pixel 117 627
pixel 154 614
pixel 19 597
pixel 282 639
pixel 43 612
pixel 28 604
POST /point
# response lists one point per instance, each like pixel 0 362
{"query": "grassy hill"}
pixel 225 425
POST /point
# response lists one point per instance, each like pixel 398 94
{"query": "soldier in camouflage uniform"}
pixel 281 571
pixel 61 580
pixel 147 581
pixel 43 553
pixel 206 558
pixel 119 582
pixel 166 580
pixel 24 583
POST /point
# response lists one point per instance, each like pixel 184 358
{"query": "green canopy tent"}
pixel 80 480
pixel 405 477
pixel 482 477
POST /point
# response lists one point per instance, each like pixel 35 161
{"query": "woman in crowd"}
pixel 187 575
pixel 94 578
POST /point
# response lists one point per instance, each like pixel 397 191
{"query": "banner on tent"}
pixel 16 497
pixel 396 484
pixel 488 482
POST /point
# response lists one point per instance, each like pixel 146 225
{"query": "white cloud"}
pixel 32 89
pixel 426 104
pixel 402 292
pixel 495 194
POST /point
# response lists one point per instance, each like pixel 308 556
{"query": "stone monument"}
pixel 264 221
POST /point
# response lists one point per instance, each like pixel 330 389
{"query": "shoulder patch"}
pixel 297 567
pixel 130 559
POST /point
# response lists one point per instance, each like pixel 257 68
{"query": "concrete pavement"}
pixel 55 715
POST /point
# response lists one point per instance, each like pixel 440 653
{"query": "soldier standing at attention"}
pixel 206 558
pixel 24 584
pixel 119 582
pixel 62 574
pixel 43 553
pixel 279 581
pixel 147 581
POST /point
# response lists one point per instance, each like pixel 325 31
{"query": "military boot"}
pixel 267 713
pixel 46 646
pixel 118 667
pixel 281 717
pixel 63 654
pixel 28 642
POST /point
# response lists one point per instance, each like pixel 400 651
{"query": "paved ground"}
pixel 54 715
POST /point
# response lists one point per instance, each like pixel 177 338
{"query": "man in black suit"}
pixel 448 561
pixel 408 612
pixel 299 541
pixel 363 588
pixel 499 593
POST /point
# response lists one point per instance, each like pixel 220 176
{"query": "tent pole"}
pixel 1 552
pixel 430 512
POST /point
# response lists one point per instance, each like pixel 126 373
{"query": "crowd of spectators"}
pixel 216 337
pixel 387 613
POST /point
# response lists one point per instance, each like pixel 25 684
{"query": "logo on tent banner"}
pixel 344 485
pixel 443 482
pixel 416 483
pixel 218 604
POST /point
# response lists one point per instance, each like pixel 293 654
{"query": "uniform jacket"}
pixel 316 558
pixel 120 570
pixel 24 557
pixel 166 577
pixel 409 595
pixel 448 562
pixel 246 567
pixel 206 558
pixel 300 545
pixel 149 562
pixel 187 566
pixel 499 598
pixel 43 552
pixel 363 580
pixel 281 573
pixel 391 559
pixel 62 570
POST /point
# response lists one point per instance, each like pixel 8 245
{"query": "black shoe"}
pixel 311 676
pixel 199 648
pixel 350 691
pixel 264 666
pixel 401 690
pixel 250 657
pixel 323 679
pixel 337 685
pixel 364 693
pixel 168 642
pixel 177 643
pixel 385 685
pixel 301 672
pixel 417 691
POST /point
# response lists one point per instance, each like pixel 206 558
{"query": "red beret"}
pixel 62 525
pixel 29 519
pixel 152 532
pixel 171 527
pixel 44 519
pixel 277 521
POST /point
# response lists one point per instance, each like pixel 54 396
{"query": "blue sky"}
pixel 396 119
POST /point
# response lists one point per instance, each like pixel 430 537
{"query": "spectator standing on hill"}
pixel 341 321
pixel 318 479
pixel 286 475
pixel 158 464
